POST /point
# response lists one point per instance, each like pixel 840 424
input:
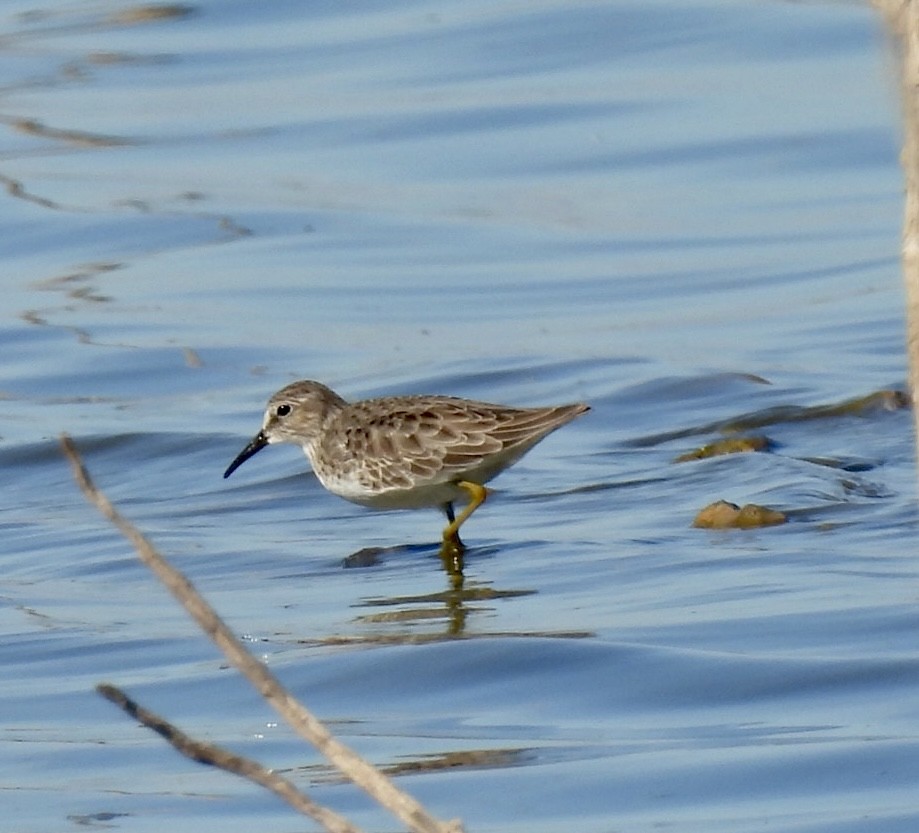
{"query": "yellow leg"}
pixel 477 494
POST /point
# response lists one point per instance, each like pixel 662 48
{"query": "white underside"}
pixel 436 492
pixel 418 497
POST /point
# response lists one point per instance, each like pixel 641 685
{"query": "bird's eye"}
pixel 283 410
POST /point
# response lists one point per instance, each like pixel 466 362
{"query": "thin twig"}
pixel 207 753
pixel 903 23
pixel 309 727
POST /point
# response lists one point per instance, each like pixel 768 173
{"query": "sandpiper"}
pixel 404 452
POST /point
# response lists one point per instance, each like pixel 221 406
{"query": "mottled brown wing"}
pixel 507 430
pixel 427 436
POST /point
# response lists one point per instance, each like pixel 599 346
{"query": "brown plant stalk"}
pixel 309 727
pixel 902 17
pixel 213 755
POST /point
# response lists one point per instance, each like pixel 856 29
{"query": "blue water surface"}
pixel 687 215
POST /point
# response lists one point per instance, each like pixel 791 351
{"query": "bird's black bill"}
pixel 259 441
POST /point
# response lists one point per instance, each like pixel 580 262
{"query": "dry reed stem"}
pixel 903 23
pixel 212 755
pixel 309 727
